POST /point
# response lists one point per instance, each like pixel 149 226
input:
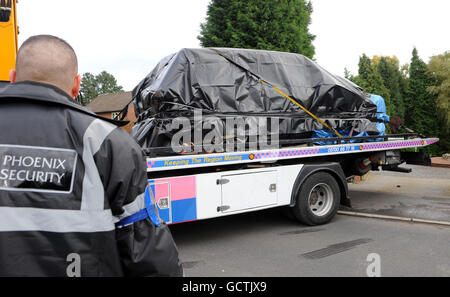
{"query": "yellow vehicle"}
pixel 8 38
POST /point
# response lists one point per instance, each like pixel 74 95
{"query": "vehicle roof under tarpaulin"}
pixel 202 79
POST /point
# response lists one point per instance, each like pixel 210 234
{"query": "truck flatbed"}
pixel 292 152
pixel 309 180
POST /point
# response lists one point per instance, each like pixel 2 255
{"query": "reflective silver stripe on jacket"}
pixel 93 193
pixel 54 220
pixel 133 207
pixel 92 217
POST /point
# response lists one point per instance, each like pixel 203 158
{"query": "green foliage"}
pixel 414 93
pixel 439 70
pixel 421 111
pixel 94 85
pixel 280 25
pixel 383 76
pixel 388 68
pixel 370 80
pixel 88 90
pixel 348 75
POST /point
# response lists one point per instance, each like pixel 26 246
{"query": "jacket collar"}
pixel 37 91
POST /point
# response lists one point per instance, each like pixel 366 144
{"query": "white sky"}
pixel 127 38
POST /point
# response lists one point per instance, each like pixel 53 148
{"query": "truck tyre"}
pixel 317 200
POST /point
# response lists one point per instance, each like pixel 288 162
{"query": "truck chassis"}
pixel 307 179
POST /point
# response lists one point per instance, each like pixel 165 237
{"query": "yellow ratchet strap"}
pixel 299 105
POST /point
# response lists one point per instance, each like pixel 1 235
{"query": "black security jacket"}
pixel 66 178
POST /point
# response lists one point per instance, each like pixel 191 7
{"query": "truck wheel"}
pixel 317 200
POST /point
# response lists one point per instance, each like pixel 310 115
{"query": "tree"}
pixel 403 83
pixel 439 70
pixel 382 75
pixel 414 93
pixel 88 90
pixel 280 25
pixel 370 80
pixel 420 112
pixel 348 75
pixel 388 68
pixel 94 85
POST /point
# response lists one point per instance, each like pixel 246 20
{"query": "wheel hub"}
pixel 320 199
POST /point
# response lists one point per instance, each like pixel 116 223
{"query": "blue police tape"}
pixel 148 212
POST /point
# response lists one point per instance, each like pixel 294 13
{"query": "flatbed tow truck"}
pixel 309 180
pixel 305 176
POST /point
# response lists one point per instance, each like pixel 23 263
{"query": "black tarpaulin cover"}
pixel 202 79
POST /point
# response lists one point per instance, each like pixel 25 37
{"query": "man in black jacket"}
pixel 74 199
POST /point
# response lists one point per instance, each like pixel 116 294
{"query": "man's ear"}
pixel 12 76
pixel 76 86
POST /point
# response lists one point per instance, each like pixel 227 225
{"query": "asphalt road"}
pixel 422 194
pixel 266 243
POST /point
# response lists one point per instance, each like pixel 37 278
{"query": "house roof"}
pixel 110 102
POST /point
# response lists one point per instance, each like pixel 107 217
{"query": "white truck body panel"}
pixel 219 193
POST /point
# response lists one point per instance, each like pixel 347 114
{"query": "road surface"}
pixel 266 243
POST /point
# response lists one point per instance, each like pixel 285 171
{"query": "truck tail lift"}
pixel 308 179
